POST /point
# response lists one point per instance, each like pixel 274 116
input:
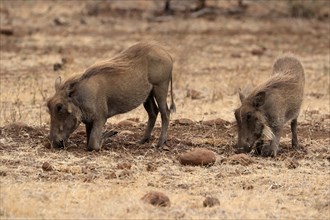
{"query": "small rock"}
pixel 151 184
pixel 89 178
pixel 60 21
pixel 236 55
pixel 7 31
pixel 211 201
pixel 248 187
pixel 184 121
pixel 275 186
pixel 258 51
pixel 124 165
pixel 291 163
pixel 198 157
pixel 67 60
pixel 165 148
pixel 151 167
pixel 124 173
pixel 217 121
pixel 156 199
pixel 242 159
pixel 183 186
pixel 3 173
pixel 83 21
pixel 110 175
pixel 193 94
pixel 47 166
pixel 220 175
pixel 47 144
pixel 57 66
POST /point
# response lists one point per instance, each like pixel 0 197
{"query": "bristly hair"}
pixel 277 81
pixel 287 72
pixel 122 62
pixel 288 64
pixel 117 65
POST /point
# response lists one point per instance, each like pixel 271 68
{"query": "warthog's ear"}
pixel 241 95
pixel 70 89
pixel 58 83
pixel 259 99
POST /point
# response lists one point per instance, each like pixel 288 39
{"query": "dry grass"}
pixel 214 55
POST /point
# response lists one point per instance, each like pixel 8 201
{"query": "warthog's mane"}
pixel 277 81
pixel 123 62
pixel 288 72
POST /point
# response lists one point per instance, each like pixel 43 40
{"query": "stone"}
pixel 198 157
pixel 151 167
pixel 291 163
pixel 156 199
pixel 124 165
pixel 6 31
pixel 211 201
pixel 46 166
pixel 193 94
pixel 184 121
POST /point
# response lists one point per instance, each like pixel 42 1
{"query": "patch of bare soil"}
pixel 26 158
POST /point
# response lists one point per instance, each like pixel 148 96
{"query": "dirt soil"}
pixel 216 51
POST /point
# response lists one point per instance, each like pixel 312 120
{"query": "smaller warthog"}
pixel 269 106
pixel 140 74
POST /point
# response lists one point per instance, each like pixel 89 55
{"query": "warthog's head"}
pixel 65 117
pixel 251 122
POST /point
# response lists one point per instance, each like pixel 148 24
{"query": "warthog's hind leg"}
pixel 152 110
pixel 294 133
pixel 160 92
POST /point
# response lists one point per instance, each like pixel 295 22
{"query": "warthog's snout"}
pixel 57 143
pixel 243 148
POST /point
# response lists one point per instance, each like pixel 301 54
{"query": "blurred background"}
pixel 218 46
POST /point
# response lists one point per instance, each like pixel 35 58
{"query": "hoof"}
pixel 93 149
pixel 144 140
pixel 267 151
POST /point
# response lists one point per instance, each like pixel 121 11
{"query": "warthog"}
pixel 140 74
pixel 269 106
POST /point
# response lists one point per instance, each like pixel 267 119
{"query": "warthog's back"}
pixel 289 65
pixel 126 80
pixel 136 60
pixel 287 78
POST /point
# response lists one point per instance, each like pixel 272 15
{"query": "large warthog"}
pixel 269 106
pixel 140 74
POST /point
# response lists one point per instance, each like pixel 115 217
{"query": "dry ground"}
pixel 215 53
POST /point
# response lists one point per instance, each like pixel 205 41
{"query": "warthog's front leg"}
pixel 94 135
pixel 271 150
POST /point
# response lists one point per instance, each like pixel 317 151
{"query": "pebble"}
pixel 156 199
pixel 211 201
pixel 198 157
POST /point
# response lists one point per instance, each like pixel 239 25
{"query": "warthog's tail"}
pixel 172 107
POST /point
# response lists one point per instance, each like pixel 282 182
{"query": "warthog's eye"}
pixel 59 107
pixel 248 116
